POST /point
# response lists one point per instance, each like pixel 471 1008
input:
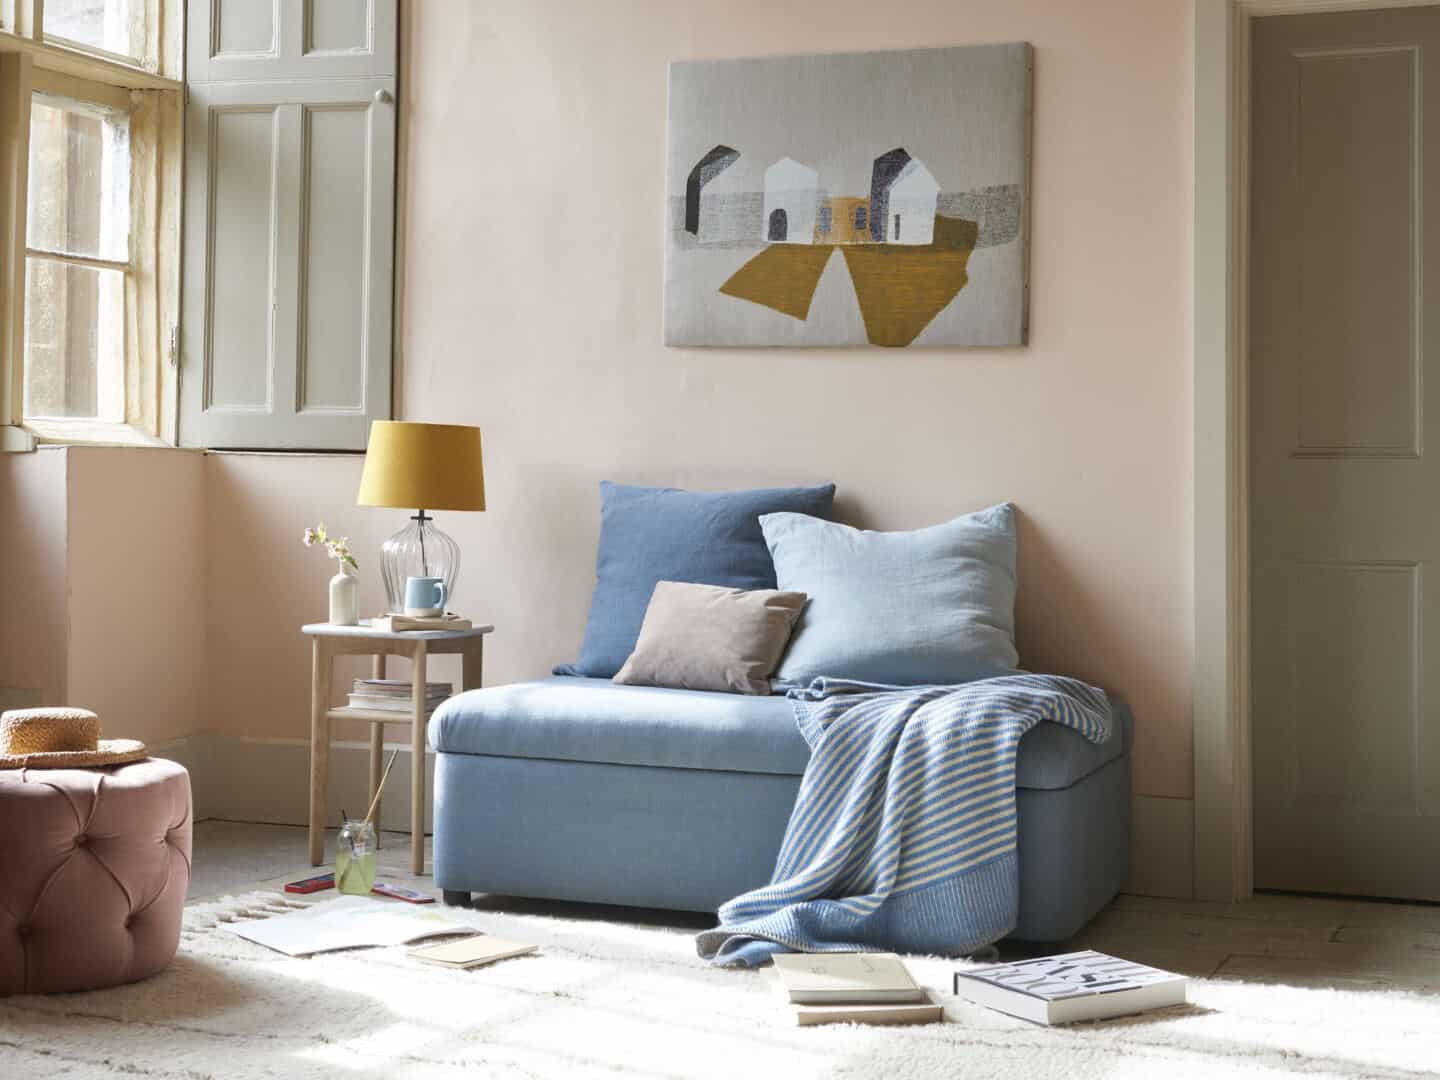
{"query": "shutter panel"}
pixel 242 40
pixel 289 223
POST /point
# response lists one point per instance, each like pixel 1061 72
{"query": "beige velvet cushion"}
pixel 707 637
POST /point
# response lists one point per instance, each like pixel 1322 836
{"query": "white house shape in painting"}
pixel 910 213
pixel 725 217
pixel 792 199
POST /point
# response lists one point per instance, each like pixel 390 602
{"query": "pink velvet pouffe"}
pixel 94 865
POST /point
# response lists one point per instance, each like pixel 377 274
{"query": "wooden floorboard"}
pixel 1277 938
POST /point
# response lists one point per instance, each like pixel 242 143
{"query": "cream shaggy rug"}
pixel 612 999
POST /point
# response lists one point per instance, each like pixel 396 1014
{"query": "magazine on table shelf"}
pixel 394 695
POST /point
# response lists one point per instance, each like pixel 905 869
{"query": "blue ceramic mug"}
pixel 425 596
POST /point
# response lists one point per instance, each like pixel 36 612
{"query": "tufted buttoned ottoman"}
pixel 94 864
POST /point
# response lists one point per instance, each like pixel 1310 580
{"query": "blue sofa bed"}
pixel 582 789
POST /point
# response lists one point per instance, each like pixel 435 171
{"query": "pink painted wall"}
pixel 101 585
pixel 33 575
pixel 138 606
pixel 263 585
pixel 532 281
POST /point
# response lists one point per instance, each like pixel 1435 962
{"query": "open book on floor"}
pixel 1069 987
pixel 347 922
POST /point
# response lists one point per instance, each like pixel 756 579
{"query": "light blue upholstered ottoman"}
pixel 582 789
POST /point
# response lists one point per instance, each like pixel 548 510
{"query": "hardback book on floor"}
pixel 471 951
pixel 847 979
pixel 1069 987
pixel 854 988
pixel 894 1013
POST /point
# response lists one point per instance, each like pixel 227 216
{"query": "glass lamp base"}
pixel 418 550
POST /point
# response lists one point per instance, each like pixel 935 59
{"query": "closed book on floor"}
pixel 927 1012
pixel 847 978
pixel 471 951
pixel 1070 987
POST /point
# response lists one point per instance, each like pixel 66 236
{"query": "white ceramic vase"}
pixel 344 598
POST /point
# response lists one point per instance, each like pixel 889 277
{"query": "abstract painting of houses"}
pixel 874 198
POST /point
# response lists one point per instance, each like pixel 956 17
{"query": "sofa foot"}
pixel 456 899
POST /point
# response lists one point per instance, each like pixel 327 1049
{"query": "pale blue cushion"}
pixel 648 535
pixel 567 719
pixel 932 606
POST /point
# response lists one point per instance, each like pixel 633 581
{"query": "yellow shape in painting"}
pixel 901 288
pixel 783 277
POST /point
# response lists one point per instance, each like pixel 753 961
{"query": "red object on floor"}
pixel 398 892
pixel 312 884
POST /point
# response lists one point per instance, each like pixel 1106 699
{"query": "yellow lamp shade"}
pixel 423 466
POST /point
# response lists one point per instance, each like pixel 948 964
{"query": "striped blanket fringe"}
pixel 903 834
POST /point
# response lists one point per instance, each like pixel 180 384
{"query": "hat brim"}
pixel 106 752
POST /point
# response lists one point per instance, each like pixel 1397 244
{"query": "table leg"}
pixel 319 744
pixel 417 760
pixel 377 746
pixel 472 663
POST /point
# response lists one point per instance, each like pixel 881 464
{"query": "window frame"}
pixel 81 95
pixel 31 63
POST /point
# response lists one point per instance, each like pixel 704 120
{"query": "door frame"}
pixel 1224 829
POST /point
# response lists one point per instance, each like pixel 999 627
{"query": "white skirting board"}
pixel 268 780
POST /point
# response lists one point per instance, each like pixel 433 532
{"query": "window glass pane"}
pixel 116 26
pixel 74 340
pixel 79 179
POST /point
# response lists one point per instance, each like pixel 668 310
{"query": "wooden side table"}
pixel 328 642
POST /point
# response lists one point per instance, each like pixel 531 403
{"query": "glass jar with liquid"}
pixel 355 858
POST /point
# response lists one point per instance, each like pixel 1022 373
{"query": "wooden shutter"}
pixel 289 222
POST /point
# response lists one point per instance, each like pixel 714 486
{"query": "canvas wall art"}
pixel 874 198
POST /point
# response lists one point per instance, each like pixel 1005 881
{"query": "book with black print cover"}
pixel 1070 987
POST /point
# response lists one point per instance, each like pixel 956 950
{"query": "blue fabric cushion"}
pixel 648 535
pixel 933 606
pixel 598 721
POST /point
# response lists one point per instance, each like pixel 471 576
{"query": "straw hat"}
pixel 58 738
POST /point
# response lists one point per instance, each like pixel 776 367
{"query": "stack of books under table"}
pixel 394 695
pixel 857 988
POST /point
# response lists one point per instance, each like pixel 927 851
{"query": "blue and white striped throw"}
pixel 903 834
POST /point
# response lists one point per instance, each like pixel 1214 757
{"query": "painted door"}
pixel 1345 453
